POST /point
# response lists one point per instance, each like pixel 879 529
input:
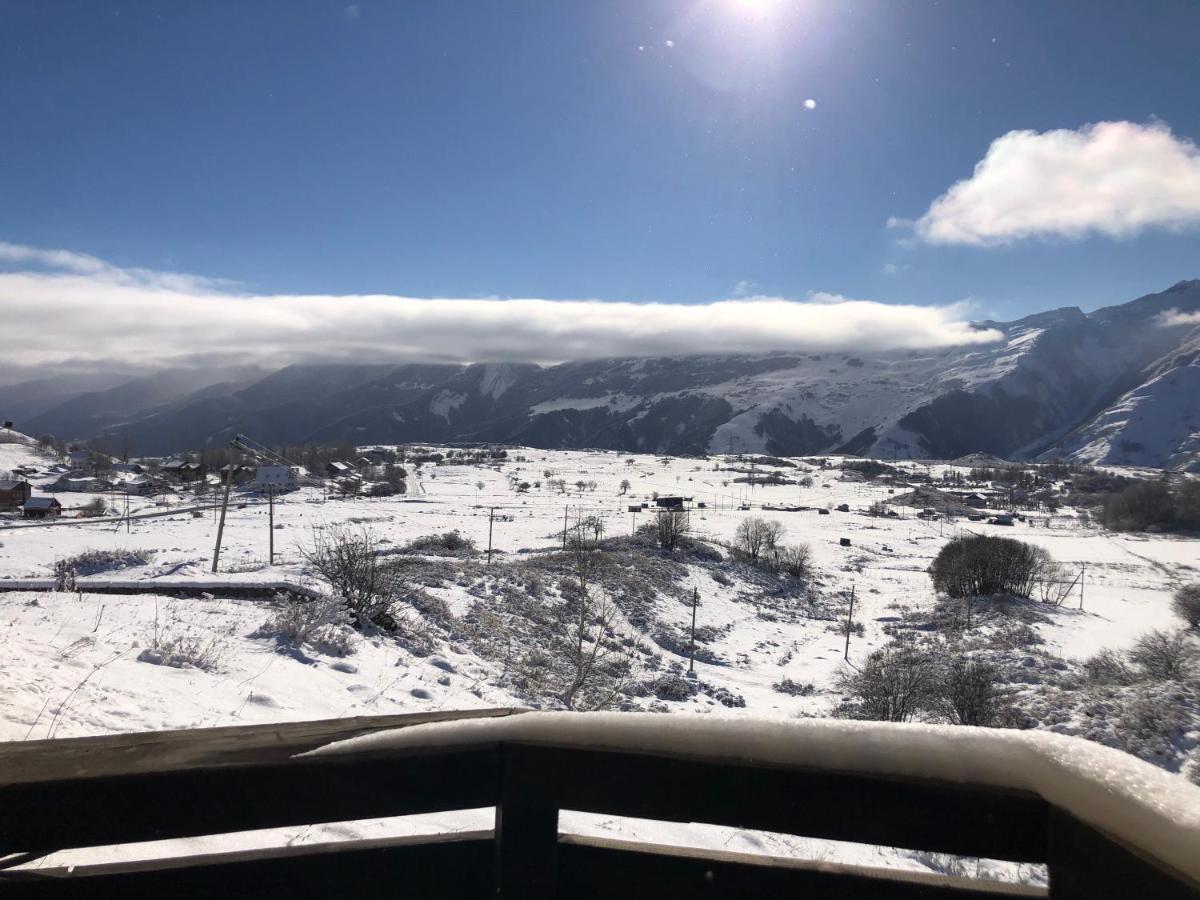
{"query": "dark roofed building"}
pixel 42 508
pixel 671 502
pixel 14 493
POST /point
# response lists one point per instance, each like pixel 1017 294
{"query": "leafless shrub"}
pixel 670 525
pixel 1186 604
pixel 893 685
pixel 348 561
pixel 1108 667
pixel 969 692
pixel 1165 655
pixel 795 560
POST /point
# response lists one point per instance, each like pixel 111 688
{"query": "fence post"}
pixel 526 864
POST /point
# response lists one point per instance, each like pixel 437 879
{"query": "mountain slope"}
pixel 1056 385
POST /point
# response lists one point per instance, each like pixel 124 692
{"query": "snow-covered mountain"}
pixel 1115 385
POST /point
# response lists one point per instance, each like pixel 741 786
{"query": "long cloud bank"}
pixel 64 307
pixel 1113 178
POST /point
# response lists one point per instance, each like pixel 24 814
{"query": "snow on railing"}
pixel 1130 799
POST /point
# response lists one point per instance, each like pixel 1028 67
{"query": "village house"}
pixel 77 483
pixel 14 493
pixel 42 508
pixel 671 502
pixel 142 486
pixel 183 470
pixel 276 478
pixel 241 473
pixel 336 469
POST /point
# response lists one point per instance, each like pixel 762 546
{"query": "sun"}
pixel 756 7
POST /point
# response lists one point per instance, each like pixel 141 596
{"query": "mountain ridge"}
pixel 1113 385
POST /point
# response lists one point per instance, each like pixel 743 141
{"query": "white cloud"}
pixel 1172 317
pixel 85 310
pixel 810 104
pixel 1112 178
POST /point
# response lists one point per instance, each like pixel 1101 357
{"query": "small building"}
pixel 822 511
pixel 843 507
pixel 14 493
pixel 183 470
pixel 241 473
pixel 276 478
pixel 75 483
pixel 77 459
pixel 42 508
pixel 131 468
pixel 338 469
pixel 975 501
pixel 671 502
pixel 142 486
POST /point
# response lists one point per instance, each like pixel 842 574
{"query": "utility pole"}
pixel 633 526
pixel 692 644
pixel 849 620
pixel 565 528
pixel 271 523
pixel 1082 575
pixel 224 508
pixel 491 518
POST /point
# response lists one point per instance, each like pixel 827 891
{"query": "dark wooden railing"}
pixel 88 792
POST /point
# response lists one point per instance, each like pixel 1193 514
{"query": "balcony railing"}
pixel 969 792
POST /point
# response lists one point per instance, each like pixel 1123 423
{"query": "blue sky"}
pixel 630 150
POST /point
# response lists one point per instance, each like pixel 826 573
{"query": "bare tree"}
pixel 757 537
pixel 625 485
pixel 670 525
pixel 596 664
pixel 348 561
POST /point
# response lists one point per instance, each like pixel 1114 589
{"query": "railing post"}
pixel 526 827
pixel 1085 863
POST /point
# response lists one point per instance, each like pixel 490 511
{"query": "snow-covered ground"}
pixel 56 637
pixel 69 664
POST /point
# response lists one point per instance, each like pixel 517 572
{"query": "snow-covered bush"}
pixel 673 687
pixel 1186 604
pixel 450 543
pixel 184 648
pixel 298 621
pixel 794 688
pixel 93 562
